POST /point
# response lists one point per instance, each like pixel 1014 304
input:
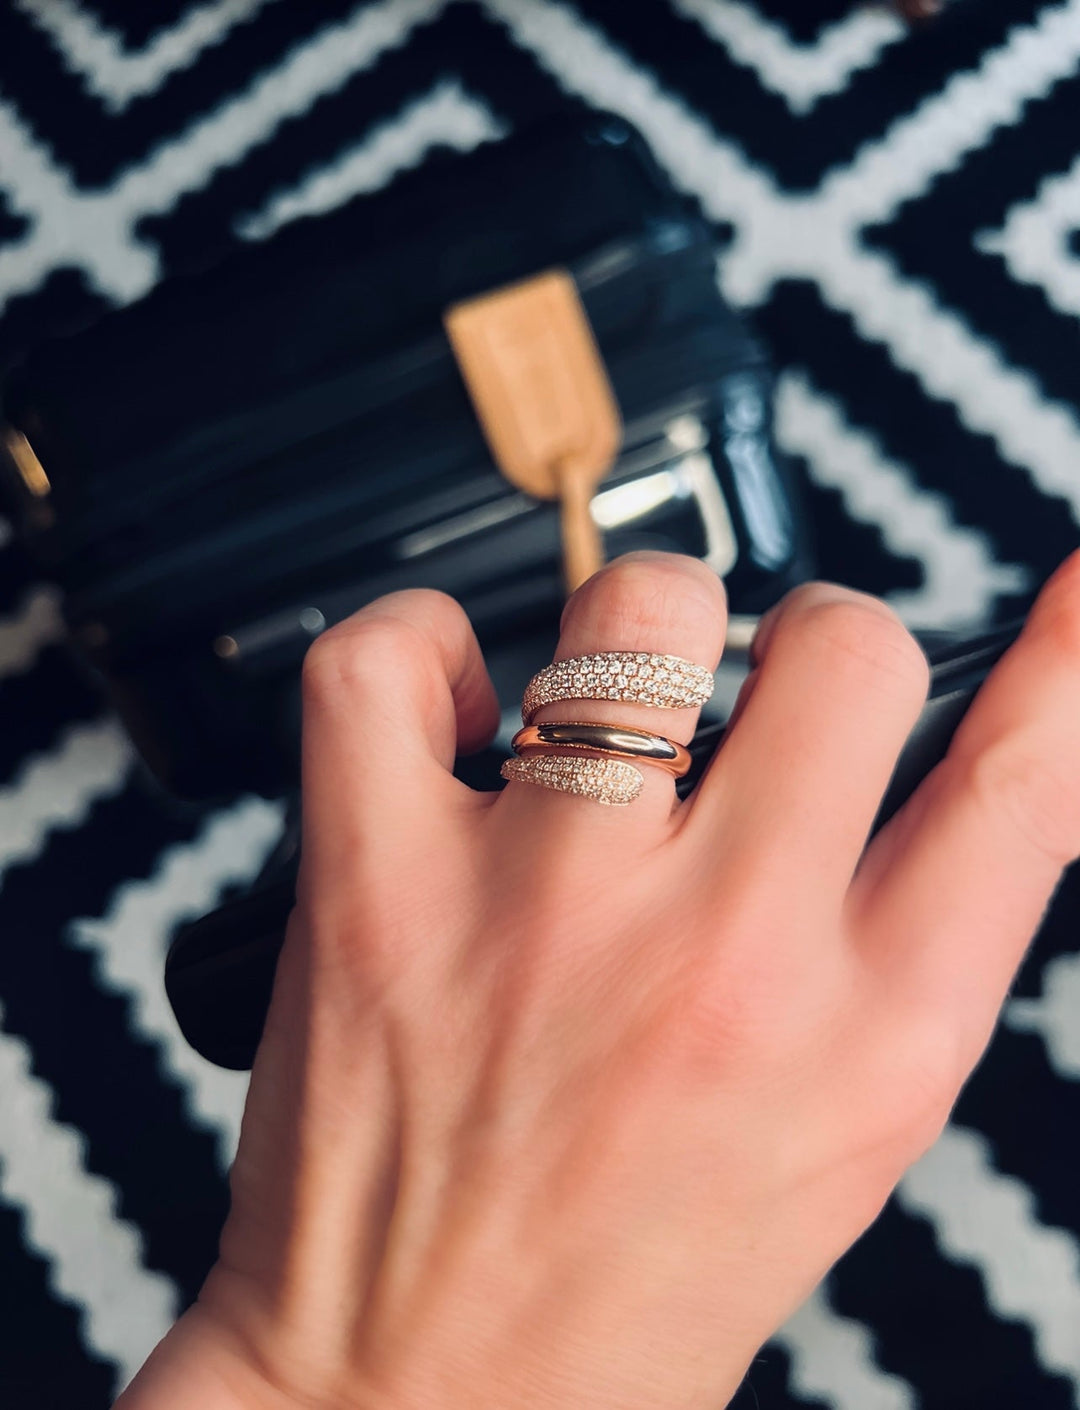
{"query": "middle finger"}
pixel 644 602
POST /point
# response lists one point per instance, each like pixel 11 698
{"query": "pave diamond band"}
pixel 613 741
pixel 639 677
pixel 561 756
pixel 608 781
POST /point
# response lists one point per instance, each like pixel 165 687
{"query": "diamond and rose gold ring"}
pixel 560 755
pixel 640 677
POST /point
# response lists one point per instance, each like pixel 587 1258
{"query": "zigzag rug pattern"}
pixel 925 325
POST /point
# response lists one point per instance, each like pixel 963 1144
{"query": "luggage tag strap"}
pixel 544 400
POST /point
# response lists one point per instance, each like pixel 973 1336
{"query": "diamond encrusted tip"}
pixel 639 677
pixel 608 781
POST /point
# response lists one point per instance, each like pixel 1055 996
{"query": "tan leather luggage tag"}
pixel 542 394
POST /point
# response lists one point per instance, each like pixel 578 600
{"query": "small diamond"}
pixel 621 682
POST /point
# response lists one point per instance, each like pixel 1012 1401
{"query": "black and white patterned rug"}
pixel 901 219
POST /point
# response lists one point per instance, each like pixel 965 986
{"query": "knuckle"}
pixel 723 1030
pixel 758 1011
pixel 425 607
pixel 898 1132
pixel 864 638
pixel 1016 780
pixel 925 1072
pixel 899 1094
pixel 325 664
pixel 636 598
pixel 357 652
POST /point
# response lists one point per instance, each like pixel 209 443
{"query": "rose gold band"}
pixel 611 741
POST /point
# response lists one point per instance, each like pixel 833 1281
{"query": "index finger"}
pixel 952 890
pixel 390 697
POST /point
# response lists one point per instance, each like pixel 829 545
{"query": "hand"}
pixel 561 1105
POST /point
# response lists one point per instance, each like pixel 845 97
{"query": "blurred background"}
pixel 897 211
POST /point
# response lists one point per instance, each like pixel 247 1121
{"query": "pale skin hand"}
pixel 567 1106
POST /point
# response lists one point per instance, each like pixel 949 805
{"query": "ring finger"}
pixel 837 686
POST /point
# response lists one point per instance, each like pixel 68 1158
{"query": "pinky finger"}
pixel 952 890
